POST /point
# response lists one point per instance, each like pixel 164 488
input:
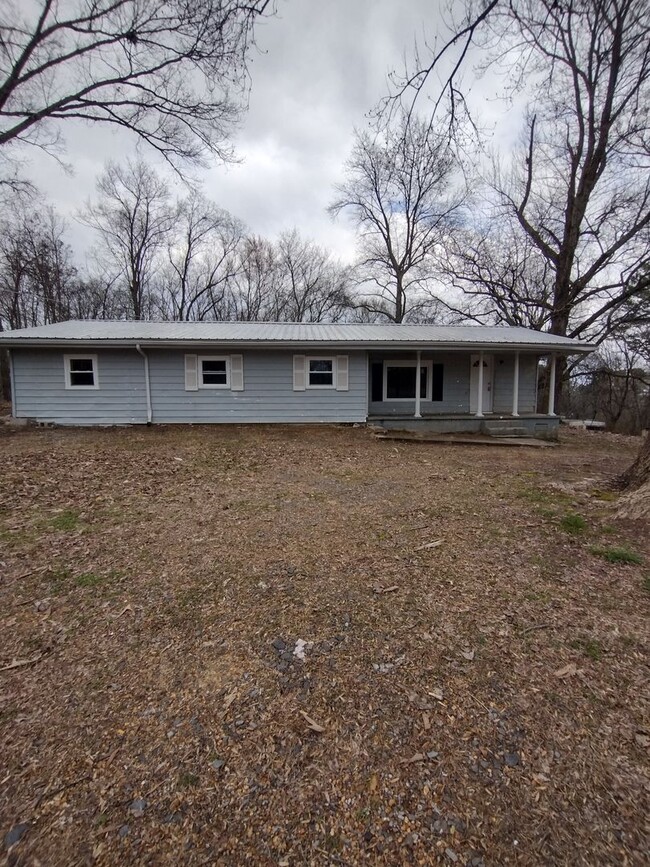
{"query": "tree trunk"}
pixel 639 473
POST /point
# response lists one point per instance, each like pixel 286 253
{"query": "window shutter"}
pixel 191 372
pixel 299 375
pixel 237 372
pixel 341 372
pixel 437 378
pixel 377 381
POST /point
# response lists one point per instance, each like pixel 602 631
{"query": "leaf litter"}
pixel 190 558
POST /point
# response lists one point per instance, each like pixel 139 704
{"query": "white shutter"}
pixel 191 373
pixel 341 372
pixel 236 372
pixel 299 375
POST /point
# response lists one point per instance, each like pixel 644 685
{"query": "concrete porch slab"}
pixel 462 439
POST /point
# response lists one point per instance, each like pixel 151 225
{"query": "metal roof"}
pixel 111 333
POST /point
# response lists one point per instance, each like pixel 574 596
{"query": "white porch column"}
pixel 418 380
pixel 515 387
pixel 551 387
pixel 479 398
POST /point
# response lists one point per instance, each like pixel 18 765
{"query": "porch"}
pixel 528 425
pixel 493 393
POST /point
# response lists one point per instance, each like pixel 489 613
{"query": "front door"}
pixel 488 379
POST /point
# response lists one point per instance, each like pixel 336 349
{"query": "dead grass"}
pixel 482 701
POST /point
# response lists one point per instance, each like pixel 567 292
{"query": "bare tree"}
pixel 170 72
pixel 314 287
pixel 255 291
pixel 398 191
pixel 613 384
pixel 37 274
pixel 201 260
pixel 579 187
pixel 97 296
pixel 500 277
pixel 134 218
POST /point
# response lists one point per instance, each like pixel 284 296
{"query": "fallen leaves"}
pixel 181 666
pixel 418 757
pixel 228 700
pixel 568 670
pixel 311 723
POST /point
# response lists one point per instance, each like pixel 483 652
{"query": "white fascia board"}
pixel 396 346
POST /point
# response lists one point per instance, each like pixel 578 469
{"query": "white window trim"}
pixel 331 358
pixel 408 363
pixel 85 356
pixel 199 372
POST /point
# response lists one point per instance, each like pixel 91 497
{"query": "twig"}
pixel 330 855
pixel 28 573
pixel 435 544
pixel 478 700
pixel 85 779
pixel 19 663
pixel 536 626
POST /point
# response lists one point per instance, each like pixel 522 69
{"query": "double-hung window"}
pixel 214 372
pixel 320 373
pixel 80 371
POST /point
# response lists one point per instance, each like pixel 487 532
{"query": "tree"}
pixel 256 286
pixel 500 275
pixel 166 70
pixel 398 190
pixel 134 218
pixel 201 260
pixel 37 274
pixel 613 384
pixel 579 186
pixel 313 287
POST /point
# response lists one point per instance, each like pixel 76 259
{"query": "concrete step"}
pixel 503 429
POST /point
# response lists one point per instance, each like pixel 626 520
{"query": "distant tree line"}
pixel 159 258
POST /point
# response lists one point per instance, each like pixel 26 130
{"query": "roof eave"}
pixel 449 346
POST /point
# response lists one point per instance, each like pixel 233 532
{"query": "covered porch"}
pixel 492 392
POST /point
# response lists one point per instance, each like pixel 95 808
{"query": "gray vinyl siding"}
pixel 40 392
pixel 504 371
pixel 268 394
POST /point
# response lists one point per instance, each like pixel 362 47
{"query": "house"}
pixel 461 378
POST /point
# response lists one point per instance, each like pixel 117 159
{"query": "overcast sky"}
pixel 318 70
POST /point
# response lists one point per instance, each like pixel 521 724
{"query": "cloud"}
pixel 317 70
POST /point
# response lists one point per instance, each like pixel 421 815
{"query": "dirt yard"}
pixel 301 646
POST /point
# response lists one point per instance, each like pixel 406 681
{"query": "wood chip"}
pixel 228 700
pixel 418 757
pixel 568 670
pixel 434 544
pixel 313 725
